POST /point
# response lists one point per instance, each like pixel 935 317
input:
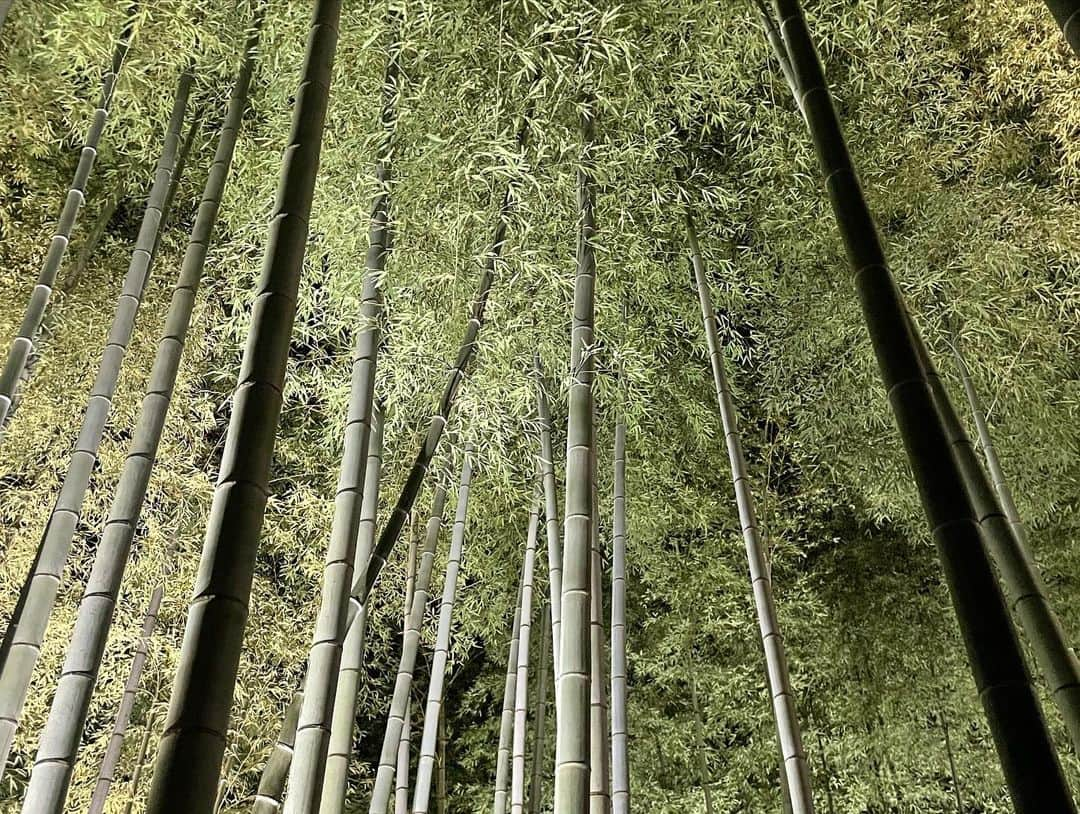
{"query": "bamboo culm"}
pixel 572 759
pixel 276 771
pixel 307 774
pixel 410 649
pixel 501 802
pixel 23 345
pixel 1007 544
pixel 599 725
pixel 1025 750
pixel 44 581
pixel 785 716
pixel 702 757
pixel 107 772
pixel 536 787
pixel 186 772
pixel 401 771
pixel 71 703
pixel 433 711
pixel 1067 14
pixel 551 516
pixel 521 679
pixel 440 774
pixel 620 761
pixel 140 761
pixel 335 781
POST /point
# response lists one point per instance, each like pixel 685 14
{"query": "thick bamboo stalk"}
pixel 71 703
pixel 704 778
pixel 1007 542
pixel 437 684
pixel 276 771
pixel 521 680
pixel 401 771
pixel 506 719
pixel 107 772
pixel 536 787
pixel 335 782
pixel 23 344
pixel 410 648
pixel 1067 14
pixel 185 776
pixel 785 716
pixel 1024 747
pixel 307 774
pixel 572 717
pixel 44 580
pixel 620 760
pixel 551 516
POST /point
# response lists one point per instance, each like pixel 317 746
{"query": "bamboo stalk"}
pixel 536 789
pixel 506 720
pixel 620 760
pixel 521 679
pixel 276 770
pixel 551 517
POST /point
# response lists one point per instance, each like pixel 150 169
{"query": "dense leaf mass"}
pixel 963 120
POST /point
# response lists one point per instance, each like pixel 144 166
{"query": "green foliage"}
pixel 961 118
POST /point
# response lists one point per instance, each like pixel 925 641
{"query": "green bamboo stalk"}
pixel 506 720
pixel 307 774
pixel 401 771
pixel 572 714
pixel 599 726
pixel 702 760
pixel 620 760
pixel 276 771
pixel 786 718
pixel 551 516
pixel 44 580
pixel 1067 14
pixel 410 649
pixel 779 49
pixel 140 761
pixel 71 703
pixel 440 775
pixel 335 781
pixel 107 772
pixel 1024 747
pixel 521 679
pixel 536 788
pixel 185 776
pixel 23 344
pixel 433 711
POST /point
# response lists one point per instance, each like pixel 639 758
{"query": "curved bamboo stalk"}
pixel 1067 14
pixel 620 761
pixel 572 716
pixel 506 719
pixel 785 716
pixel 44 580
pixel 307 774
pixel 1025 750
pixel 185 776
pixel 71 703
pixel 276 771
pixel 551 516
pixel 410 648
pixel 433 711
pixel 335 781
pixel 536 787
pixel 23 344
pixel 107 772
pixel 521 680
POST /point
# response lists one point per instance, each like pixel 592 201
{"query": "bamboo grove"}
pixel 389 386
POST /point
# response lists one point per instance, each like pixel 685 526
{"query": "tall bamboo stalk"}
pixel 140 760
pixel 599 726
pixel 23 344
pixel 335 781
pixel 1067 14
pixel 276 771
pixel 185 776
pixel 440 774
pixel 702 759
pixel 620 760
pixel 551 516
pixel 71 703
pixel 107 772
pixel 572 716
pixel 536 787
pixel 1024 747
pixel 506 719
pixel 1007 542
pixel 410 649
pixel 785 716
pixel 43 582
pixel 401 772
pixel 521 679
pixel 433 711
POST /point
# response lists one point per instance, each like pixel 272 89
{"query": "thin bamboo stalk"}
pixel 29 625
pixel 521 680
pixel 599 726
pixel 536 788
pixel 276 771
pixel 506 720
pixel 140 761
pixel 440 775
pixel 401 772
pixel 620 761
pixel 704 778
pixel 551 516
